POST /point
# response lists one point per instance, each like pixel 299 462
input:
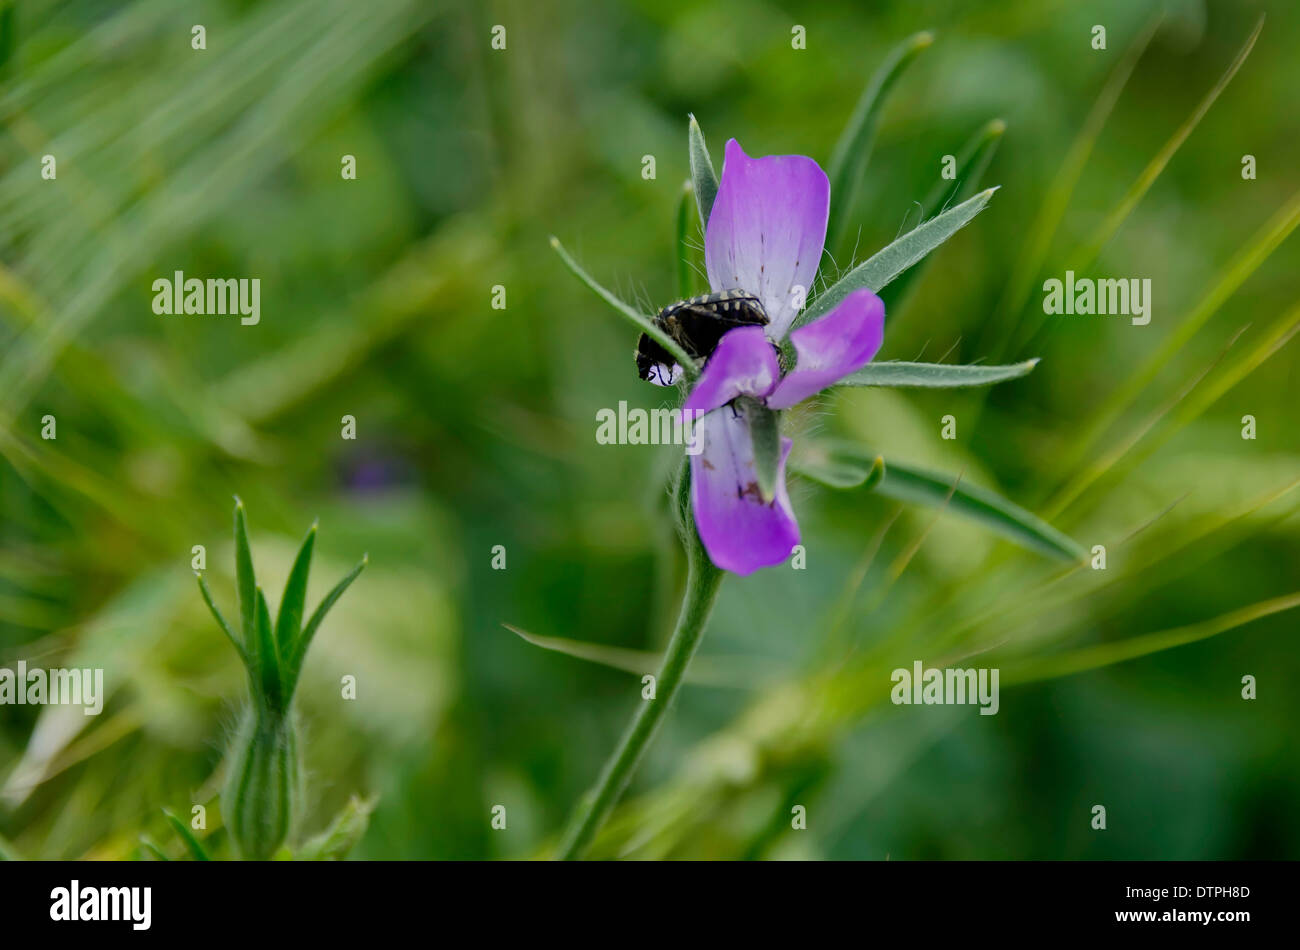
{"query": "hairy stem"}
pixel 702 582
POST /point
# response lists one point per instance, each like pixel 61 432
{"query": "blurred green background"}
pixel 475 426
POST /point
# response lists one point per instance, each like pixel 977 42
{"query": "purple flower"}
pixel 765 235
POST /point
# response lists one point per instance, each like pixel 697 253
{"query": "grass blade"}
pixel 853 150
pixel 702 174
pixel 1084 256
pixel 1106 654
pixel 934 375
pixel 1034 253
pixel 886 264
pixel 646 325
pixel 683 243
pixel 288 623
pixel 192 844
pixel 1245 263
pixel 971 161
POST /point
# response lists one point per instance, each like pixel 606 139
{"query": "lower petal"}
pixel 740 533
pixel 840 343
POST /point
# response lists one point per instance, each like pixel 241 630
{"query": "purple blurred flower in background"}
pixel 765 235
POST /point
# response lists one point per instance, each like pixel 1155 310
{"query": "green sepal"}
pixel 765 433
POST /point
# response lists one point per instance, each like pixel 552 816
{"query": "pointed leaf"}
pixel 288 623
pixel 703 176
pixel 853 150
pixel 245 581
pixel 646 324
pixel 192 844
pixel 935 375
pixel 918 486
pixel 300 647
pixel 878 270
pixel 220 618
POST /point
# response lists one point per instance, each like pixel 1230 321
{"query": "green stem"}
pixel 702 582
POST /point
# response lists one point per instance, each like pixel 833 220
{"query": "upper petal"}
pixel 739 532
pixel 840 343
pixel 743 364
pixel 767 230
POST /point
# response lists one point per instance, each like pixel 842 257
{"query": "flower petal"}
pixel 740 533
pixel 767 230
pixel 743 364
pixel 832 347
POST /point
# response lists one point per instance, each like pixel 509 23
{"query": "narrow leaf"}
pixel 886 264
pixel 853 150
pixel 245 581
pixel 288 622
pixel 703 671
pixel 702 174
pixel 192 844
pixel 641 320
pixel 918 486
pixel 304 641
pixel 765 433
pixel 268 660
pixel 935 375
pixel 220 618
pixel 845 465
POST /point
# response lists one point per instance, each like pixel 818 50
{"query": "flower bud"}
pixel 260 800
